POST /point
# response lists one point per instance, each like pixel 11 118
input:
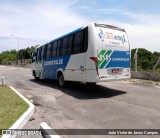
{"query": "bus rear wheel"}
pixel 61 80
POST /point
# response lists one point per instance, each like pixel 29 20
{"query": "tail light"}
pixel 96 63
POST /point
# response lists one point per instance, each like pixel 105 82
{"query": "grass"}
pixel 11 107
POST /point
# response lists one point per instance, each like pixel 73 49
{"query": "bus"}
pixel 93 53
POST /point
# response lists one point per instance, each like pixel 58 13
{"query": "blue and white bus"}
pixel 91 54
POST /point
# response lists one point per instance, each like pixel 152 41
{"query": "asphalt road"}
pixel 109 105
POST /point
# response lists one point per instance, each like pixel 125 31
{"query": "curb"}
pixel 19 124
pixel 44 127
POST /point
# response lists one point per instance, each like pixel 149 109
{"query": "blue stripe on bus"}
pixel 119 59
pixel 50 66
pixel 66 34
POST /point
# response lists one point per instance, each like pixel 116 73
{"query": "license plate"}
pixel 115 71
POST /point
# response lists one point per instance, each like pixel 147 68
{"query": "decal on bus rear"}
pixel 112 58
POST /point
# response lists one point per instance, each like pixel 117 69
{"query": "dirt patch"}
pixel 37 101
pixel 21 86
pixel 147 83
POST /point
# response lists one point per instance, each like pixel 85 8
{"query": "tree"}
pixel 146 59
pixel 6 57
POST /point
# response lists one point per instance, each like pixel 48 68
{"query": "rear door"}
pixel 113 52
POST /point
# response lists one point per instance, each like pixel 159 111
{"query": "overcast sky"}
pixel 39 21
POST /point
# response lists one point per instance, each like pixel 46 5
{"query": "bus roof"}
pixel 74 31
pixel 62 36
pixel 67 34
pixel 109 26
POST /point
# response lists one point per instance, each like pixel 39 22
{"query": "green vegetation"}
pixel 11 107
pixel 146 60
pixel 9 57
pixel 26 53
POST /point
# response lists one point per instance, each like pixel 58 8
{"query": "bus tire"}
pixel 35 77
pixel 90 83
pixel 61 80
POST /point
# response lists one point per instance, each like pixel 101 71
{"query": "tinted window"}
pixel 70 43
pixel 54 48
pixel 85 40
pixel 64 46
pixel 42 53
pixel 59 48
pixel 48 50
pixel 77 43
pixel 45 51
pixel 39 54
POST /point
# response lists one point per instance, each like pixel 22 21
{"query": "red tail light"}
pixel 96 63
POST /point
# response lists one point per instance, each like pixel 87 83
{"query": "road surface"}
pixel 109 105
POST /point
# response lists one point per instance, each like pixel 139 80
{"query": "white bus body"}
pixel 104 55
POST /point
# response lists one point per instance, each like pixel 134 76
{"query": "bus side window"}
pixel 64 46
pixel 59 48
pixel 42 52
pixel 70 44
pixel 54 47
pixel 85 40
pixel 77 43
pixel 39 54
pixel 45 51
pixel 48 51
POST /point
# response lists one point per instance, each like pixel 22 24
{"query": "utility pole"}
pixel 156 63
pixel 135 57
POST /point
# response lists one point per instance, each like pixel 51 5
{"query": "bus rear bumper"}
pixel 94 78
pixel 113 78
pixel 109 78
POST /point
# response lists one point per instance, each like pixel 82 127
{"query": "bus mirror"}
pixel 31 53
